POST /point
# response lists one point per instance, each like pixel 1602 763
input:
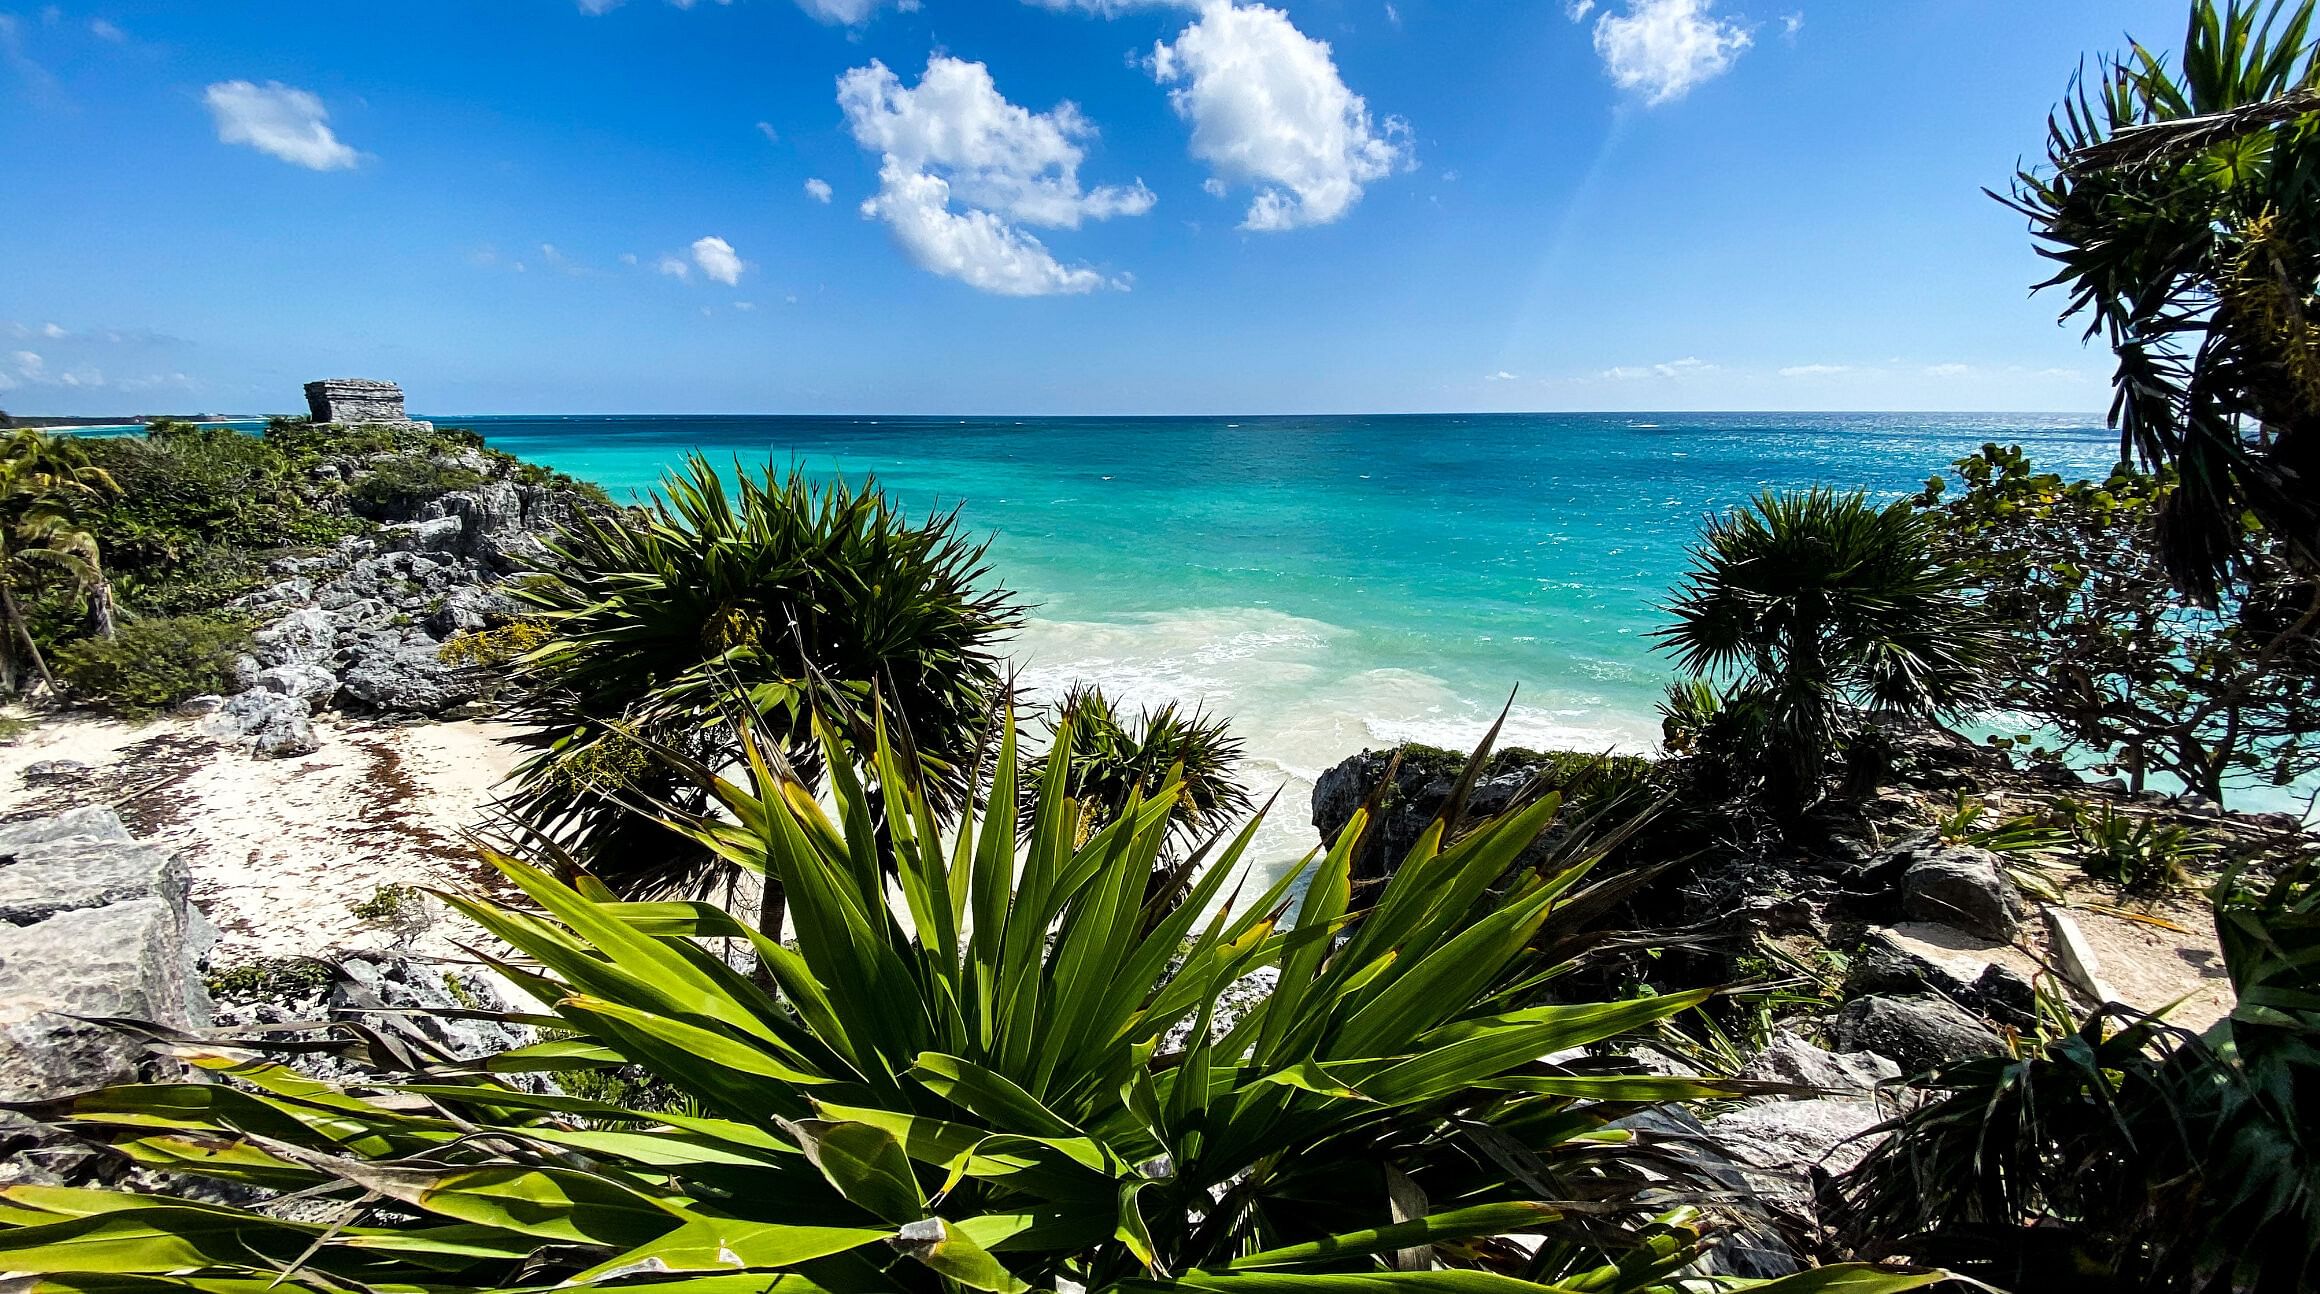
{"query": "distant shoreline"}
pixel 83 424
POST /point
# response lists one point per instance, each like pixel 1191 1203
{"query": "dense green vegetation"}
pixel 2070 576
pixel 2181 206
pixel 1025 1082
pixel 153 663
pixel 152 537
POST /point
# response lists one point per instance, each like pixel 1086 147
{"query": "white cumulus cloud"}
pixel 977 248
pixel 818 189
pixel 675 267
pixel 1268 108
pixel 955 138
pixel 993 153
pixel 280 121
pixel 718 261
pixel 1662 49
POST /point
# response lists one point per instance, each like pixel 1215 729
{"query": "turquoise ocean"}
pixel 1335 583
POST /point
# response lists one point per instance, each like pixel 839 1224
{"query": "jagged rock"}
pixel 201 707
pixel 1790 1059
pixel 409 676
pixel 96 926
pixel 1764 1209
pixel 77 873
pixel 441 535
pixel 2007 995
pixel 310 683
pixel 1961 886
pixel 303 637
pixel 268 724
pixel 56 772
pixel 418 994
pixel 1921 1033
pixel 1423 780
pixel 1784 1143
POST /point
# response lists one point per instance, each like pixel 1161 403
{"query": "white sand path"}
pixel 281 851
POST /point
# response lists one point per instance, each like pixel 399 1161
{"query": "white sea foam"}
pixel 1300 696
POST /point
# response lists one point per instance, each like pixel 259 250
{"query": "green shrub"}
pixel 397 486
pixel 485 648
pixel 393 905
pixel 154 663
pixel 2135 852
pixel 278 978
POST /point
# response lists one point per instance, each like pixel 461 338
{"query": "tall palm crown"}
pixel 1824 605
pixel 775 590
pixel 2182 208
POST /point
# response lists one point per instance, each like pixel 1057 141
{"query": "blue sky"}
pixel 1035 206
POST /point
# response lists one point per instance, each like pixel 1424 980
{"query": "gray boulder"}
pixel 440 535
pixel 97 926
pixel 1921 1033
pixel 1790 1059
pixel 310 683
pixel 303 637
pixel 1963 887
pixel 1782 1145
pixel 408 675
pixel 271 725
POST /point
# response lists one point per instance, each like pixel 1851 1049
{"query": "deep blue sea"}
pixel 1332 583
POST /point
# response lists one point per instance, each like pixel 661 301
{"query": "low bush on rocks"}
pixel 397 487
pixel 494 646
pixel 154 663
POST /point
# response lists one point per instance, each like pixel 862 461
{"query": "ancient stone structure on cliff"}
pixel 353 401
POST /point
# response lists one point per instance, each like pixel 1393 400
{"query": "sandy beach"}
pixel 283 851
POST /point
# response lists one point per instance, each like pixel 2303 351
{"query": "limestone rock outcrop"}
pixel 93 925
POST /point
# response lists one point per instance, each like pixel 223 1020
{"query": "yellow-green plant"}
pixel 978 1069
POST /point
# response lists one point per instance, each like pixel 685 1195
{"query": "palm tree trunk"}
pixel 15 617
pixel 101 608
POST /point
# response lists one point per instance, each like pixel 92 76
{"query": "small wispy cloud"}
pixel 766 129
pixel 1815 370
pixel 718 261
pixel 1674 368
pixel 818 190
pixel 281 121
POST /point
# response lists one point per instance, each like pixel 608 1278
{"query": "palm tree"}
pixel 1821 607
pixel 2182 208
pixel 39 475
pixel 1115 761
pixel 776 594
